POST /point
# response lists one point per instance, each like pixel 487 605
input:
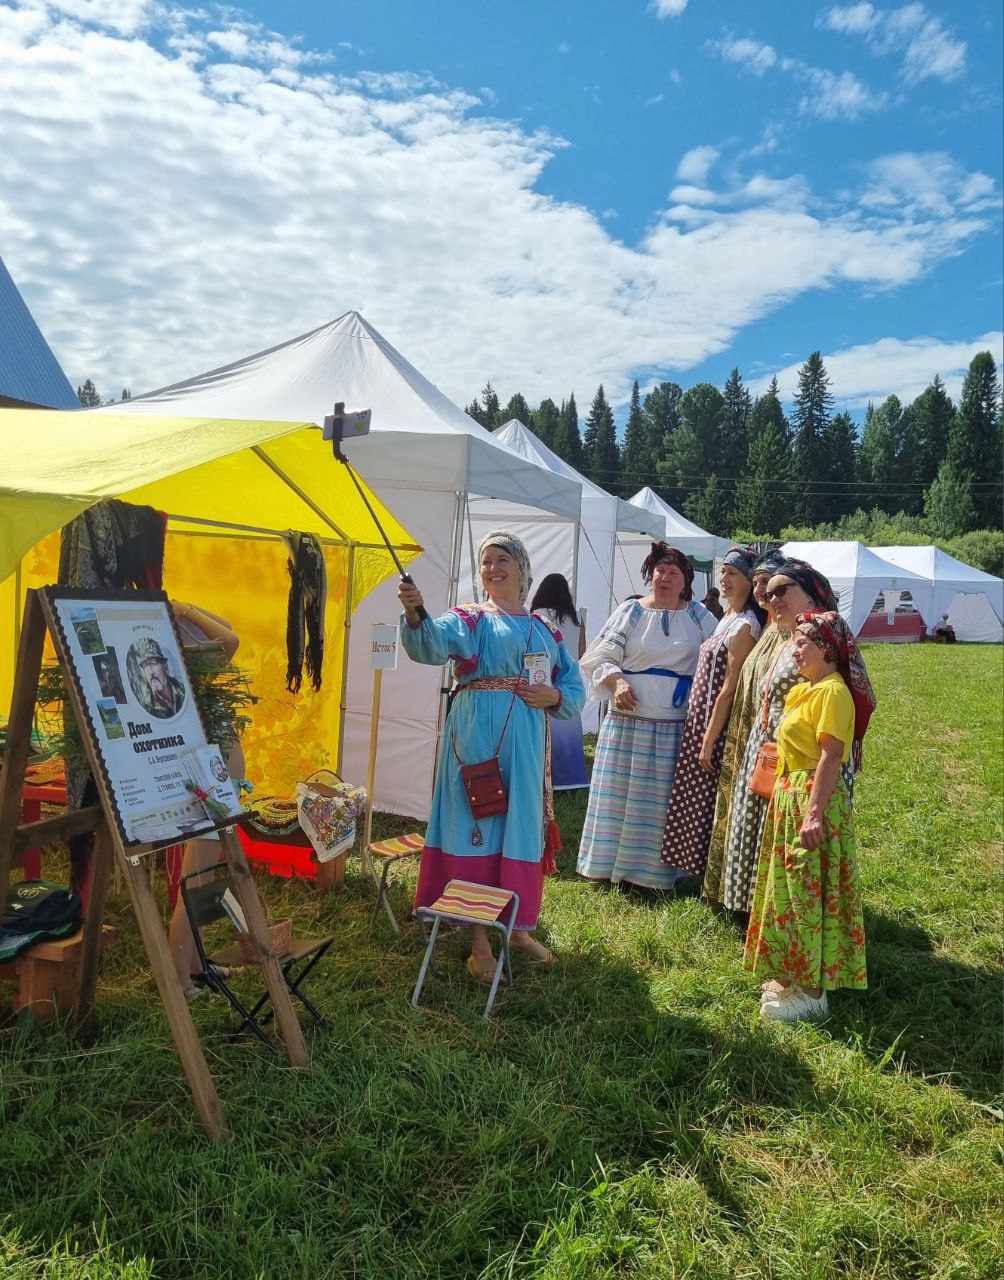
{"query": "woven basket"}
pixel 280 934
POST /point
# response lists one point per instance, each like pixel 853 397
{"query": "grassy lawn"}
pixel 624 1115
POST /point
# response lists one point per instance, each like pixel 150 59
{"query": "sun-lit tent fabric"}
pixel 974 620
pixel 950 578
pixel 587 560
pixel 858 575
pixel 424 457
pixel 223 551
pixel 677 530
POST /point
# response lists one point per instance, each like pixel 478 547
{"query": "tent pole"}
pixel 576 535
pixel 17 605
pixel 349 589
pixel 263 457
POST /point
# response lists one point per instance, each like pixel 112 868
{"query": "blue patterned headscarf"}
pixel 741 559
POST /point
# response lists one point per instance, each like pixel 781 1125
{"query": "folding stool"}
pixel 463 902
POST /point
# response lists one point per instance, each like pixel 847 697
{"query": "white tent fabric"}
pixel 584 556
pixel 677 530
pixel 949 578
pixel 589 564
pixel 858 575
pixel 974 620
pixel 423 458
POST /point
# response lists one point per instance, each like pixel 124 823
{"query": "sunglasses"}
pixel 778 592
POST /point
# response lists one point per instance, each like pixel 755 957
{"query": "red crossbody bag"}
pixel 765 770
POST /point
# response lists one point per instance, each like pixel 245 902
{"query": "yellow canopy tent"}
pixel 229 489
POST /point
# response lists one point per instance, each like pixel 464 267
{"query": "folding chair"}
pixel 463 902
pixel 204 904
pixel 391 852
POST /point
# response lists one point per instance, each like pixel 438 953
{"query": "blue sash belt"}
pixel 682 691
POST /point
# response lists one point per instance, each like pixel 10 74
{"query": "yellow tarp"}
pixel 229 488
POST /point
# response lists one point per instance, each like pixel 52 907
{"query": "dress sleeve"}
pixel 836 717
pixel 436 641
pixel 605 656
pixel 567 680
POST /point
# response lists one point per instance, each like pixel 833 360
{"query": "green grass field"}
pixel 624 1115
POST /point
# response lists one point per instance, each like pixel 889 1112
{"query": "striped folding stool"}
pixel 463 902
pixel 391 852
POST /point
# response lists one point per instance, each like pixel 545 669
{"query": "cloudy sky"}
pixel 549 195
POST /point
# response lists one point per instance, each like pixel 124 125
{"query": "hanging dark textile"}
pixel 308 591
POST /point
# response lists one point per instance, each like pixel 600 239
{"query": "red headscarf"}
pixel 834 637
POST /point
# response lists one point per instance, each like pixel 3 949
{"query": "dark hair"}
pixel 553 593
pixel 661 552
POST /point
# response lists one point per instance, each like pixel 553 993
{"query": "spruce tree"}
pixel 813 403
pixel 475 411
pixel 491 407
pixel 567 442
pixel 949 506
pixel 877 457
pixel 661 408
pixel 840 445
pixel 931 418
pixel 711 508
pixel 736 408
pixel 636 465
pixel 544 422
pixel 974 439
pixel 680 469
pixel 761 495
pixel 517 409
pixel 88 395
pixel 599 443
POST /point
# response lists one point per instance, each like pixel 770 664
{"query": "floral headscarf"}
pixel 770 558
pixel 836 640
pixel 512 546
pixel 813 583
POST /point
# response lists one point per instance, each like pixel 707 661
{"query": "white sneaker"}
pixel 792 1005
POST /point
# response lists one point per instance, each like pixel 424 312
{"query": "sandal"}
pixel 485 976
pixel 544 962
pixel 191 993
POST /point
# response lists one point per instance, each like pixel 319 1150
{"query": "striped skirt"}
pixel 628 798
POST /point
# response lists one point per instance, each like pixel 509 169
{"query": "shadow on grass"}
pixel 412 1130
pixel 929 1014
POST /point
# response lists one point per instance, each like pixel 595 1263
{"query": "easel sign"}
pixel 124 657
pixel 108 645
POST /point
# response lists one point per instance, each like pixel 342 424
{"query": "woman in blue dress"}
pixel 497 710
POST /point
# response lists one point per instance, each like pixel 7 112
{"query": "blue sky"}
pixel 544 194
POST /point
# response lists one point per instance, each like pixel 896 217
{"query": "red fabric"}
pixel 526 879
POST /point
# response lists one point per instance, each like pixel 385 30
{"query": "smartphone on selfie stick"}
pixel 337 427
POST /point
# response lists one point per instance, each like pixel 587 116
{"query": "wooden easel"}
pixel 133 862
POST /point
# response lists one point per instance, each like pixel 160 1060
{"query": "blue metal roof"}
pixel 28 369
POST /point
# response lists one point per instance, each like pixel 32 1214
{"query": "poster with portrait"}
pixel 123 654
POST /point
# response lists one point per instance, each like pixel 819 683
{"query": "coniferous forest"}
pixel 742 467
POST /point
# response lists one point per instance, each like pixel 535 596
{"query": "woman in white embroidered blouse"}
pixel 643 662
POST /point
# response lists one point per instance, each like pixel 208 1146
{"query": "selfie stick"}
pixel 336 423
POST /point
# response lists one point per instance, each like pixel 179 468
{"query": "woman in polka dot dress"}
pixel 719 665
pixel 795 588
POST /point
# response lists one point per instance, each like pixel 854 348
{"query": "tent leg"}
pixel 349 589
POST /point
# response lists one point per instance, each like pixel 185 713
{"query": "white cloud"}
pixel 838 97
pixel 891 366
pixel 193 209
pixel 751 55
pixel 927 183
pixel 668 8
pixel 696 164
pixel 928 51
pixel 831 95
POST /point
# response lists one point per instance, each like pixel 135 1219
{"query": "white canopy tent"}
pixel 587 559
pixel 677 530
pixel 424 458
pixel 954 583
pixel 858 575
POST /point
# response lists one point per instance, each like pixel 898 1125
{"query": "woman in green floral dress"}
pixel 806 926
